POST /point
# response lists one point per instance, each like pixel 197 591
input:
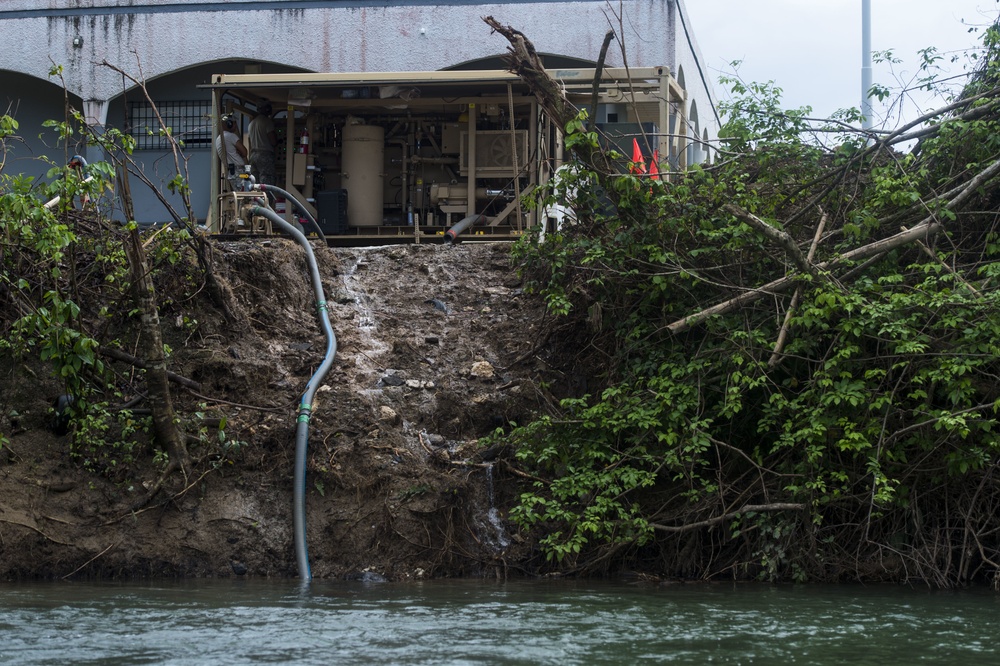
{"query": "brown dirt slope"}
pixel 436 349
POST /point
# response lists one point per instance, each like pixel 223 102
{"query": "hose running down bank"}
pixel 274 189
pixel 305 407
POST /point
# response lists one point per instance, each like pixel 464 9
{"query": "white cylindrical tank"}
pixel 363 175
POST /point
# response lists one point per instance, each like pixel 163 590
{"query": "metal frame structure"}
pixel 451 140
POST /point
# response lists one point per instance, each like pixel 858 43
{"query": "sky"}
pixel 811 49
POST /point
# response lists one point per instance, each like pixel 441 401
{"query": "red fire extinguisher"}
pixel 304 142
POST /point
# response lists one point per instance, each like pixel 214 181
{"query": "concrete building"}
pixel 175 45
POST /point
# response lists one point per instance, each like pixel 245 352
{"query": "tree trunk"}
pixel 151 351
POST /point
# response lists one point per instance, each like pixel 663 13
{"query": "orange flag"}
pixel 654 171
pixel 638 163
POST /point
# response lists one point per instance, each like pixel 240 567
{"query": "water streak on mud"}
pixel 370 345
pixel 498 538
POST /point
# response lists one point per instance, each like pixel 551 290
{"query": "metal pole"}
pixel 866 63
pixel 214 210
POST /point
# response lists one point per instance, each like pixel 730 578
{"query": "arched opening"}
pixel 499 61
pixel 186 109
pixel 694 151
pixel 31 101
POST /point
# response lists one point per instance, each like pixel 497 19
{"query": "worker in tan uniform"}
pixel 263 141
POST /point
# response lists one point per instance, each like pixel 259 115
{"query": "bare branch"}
pixel 926 228
pixel 598 72
pixel 748 508
pixel 919 232
pixel 779 344
pixel 780 237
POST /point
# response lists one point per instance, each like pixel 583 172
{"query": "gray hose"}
pixel 463 224
pixel 305 407
pixel 264 187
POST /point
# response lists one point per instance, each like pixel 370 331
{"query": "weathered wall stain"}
pixel 315 36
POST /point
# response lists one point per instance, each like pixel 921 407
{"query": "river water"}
pixel 476 622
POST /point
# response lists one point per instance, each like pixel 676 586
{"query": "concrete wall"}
pixel 698 82
pixel 154 38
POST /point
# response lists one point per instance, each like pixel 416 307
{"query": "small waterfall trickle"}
pixel 370 346
pixel 497 533
pixel 366 315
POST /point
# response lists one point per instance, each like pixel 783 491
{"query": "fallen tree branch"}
pixel 90 560
pixel 523 60
pixel 119 355
pixel 35 529
pixel 923 230
pixel 749 508
pixel 782 238
pixel 140 505
pixel 598 73
pixel 526 63
pixel 220 401
pixel 900 135
pixel 926 228
pixel 779 344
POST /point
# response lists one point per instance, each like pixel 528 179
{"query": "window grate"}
pixel 189 121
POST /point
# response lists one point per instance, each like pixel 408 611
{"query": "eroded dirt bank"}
pixel 437 348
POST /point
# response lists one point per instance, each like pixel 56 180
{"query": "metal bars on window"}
pixel 189 122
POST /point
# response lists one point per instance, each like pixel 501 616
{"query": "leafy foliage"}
pixel 65 293
pixel 844 417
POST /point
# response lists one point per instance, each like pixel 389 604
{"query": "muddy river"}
pixel 477 622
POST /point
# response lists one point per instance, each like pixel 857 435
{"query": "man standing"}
pixel 263 140
pixel 231 151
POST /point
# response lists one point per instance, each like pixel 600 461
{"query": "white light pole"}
pixel 866 63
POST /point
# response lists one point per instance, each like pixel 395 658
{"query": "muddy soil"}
pixel 437 348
